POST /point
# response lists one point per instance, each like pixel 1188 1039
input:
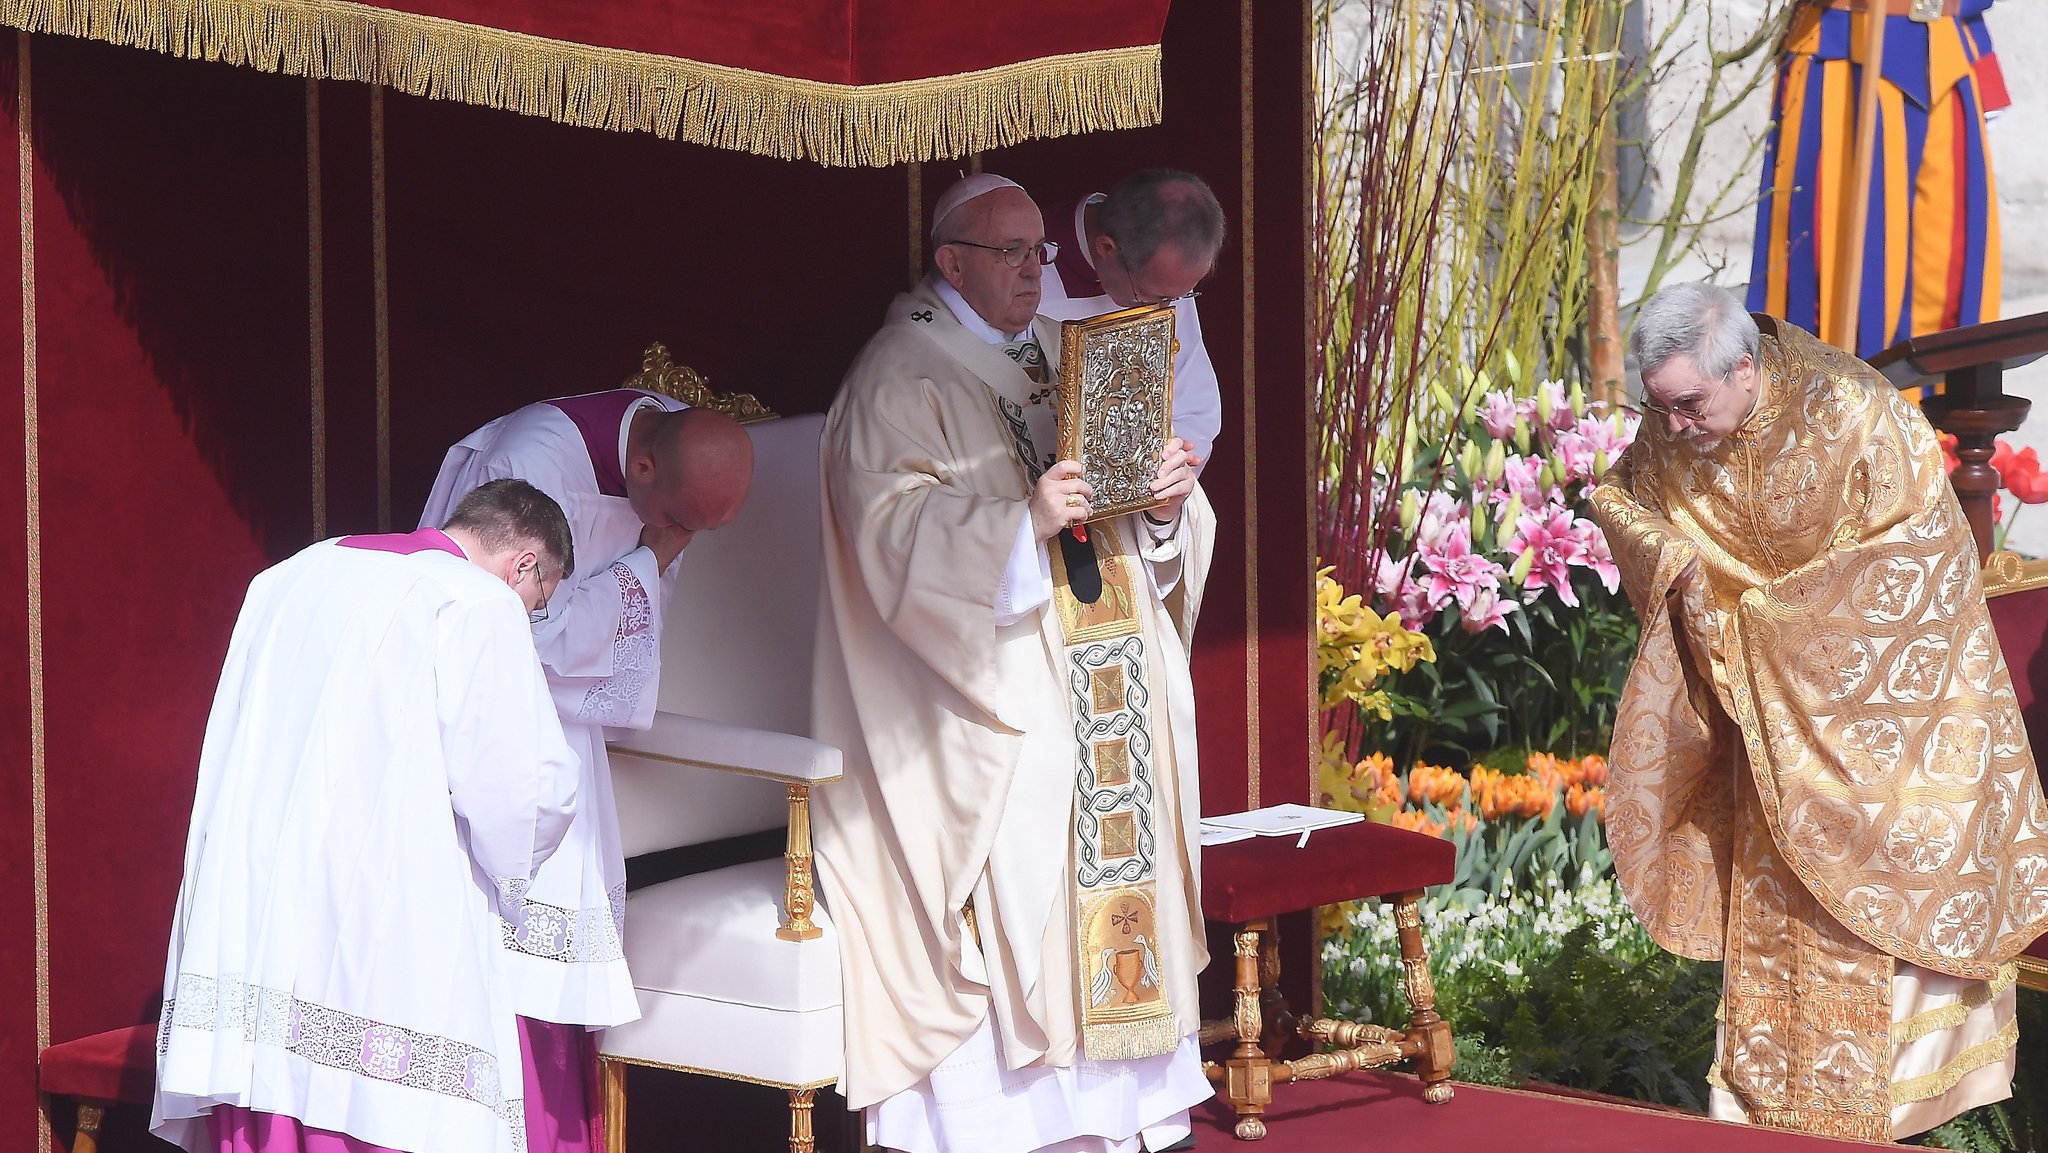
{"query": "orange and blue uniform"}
pixel 1931 245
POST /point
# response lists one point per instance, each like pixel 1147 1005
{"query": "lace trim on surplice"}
pixel 634 658
pixel 572 936
pixel 325 1036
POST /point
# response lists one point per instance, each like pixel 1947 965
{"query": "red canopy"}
pixel 836 81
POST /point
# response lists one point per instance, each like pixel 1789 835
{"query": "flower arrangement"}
pixel 1441 801
pixel 1501 521
pixel 1537 960
pixel 1486 552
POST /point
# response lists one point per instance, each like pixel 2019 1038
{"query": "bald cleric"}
pixel 638 474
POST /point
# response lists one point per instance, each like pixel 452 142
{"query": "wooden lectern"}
pixel 1970 365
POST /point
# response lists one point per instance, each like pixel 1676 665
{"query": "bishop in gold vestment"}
pixel 1819 772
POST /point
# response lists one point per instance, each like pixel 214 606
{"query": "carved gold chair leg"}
pixel 1278 1020
pixel 1430 1033
pixel 1262 1023
pixel 802 1137
pixel 611 1078
pixel 1316 1066
pixel 1345 1034
pixel 1247 1076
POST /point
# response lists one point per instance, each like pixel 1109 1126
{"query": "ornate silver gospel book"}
pixel 1116 403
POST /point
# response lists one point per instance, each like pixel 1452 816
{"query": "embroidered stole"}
pixel 1104 662
pixel 1124 1013
pixel 1806 1007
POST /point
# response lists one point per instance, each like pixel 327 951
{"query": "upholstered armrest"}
pixel 688 740
pixel 795 762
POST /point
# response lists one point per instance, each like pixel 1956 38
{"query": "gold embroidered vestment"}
pixel 1818 765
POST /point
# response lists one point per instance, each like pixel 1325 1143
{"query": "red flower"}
pixel 1948 450
pixel 2020 472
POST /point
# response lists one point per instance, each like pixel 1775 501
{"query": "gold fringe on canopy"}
pixel 594 87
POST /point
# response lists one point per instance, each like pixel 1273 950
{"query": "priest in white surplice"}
pixel 1017 909
pixel 637 474
pixel 1149 240
pixel 382 767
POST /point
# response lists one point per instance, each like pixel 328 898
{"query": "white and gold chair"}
pixel 735 968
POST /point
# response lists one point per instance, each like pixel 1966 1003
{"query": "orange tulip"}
pixel 1593 769
pixel 1437 785
pixel 1545 767
pixel 1416 821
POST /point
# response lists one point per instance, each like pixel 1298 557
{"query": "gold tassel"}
pixel 835 125
pixel 1965 1063
pixel 1956 1012
pixel 1130 1040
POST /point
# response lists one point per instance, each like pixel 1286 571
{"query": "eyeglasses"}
pixel 1014 255
pixel 1691 408
pixel 1145 298
pixel 539 612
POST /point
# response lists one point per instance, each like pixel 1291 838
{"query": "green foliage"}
pixel 1513 933
pixel 1553 681
pixel 1479 1063
pixel 1589 1019
pixel 1988 1129
pixel 1496 858
pixel 1541 982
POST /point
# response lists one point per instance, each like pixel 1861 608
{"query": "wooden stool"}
pixel 1250 884
pixel 117 1067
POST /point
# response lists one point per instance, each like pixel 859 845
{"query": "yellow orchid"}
pixel 1356 646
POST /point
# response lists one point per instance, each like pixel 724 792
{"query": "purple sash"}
pixel 598 416
pixel 1076 275
pixel 406 543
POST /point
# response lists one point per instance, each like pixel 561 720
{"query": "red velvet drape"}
pixel 836 41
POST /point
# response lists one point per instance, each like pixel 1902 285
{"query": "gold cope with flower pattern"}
pixel 1818 763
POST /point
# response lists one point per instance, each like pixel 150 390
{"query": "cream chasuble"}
pixel 1819 774
pixel 968 743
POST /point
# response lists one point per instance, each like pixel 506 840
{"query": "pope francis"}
pixel 1010 859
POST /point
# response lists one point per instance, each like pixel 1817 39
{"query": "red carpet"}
pixel 1378 1111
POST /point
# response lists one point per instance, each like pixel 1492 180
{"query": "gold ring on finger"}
pixel 1073 500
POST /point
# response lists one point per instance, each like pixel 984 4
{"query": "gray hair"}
pixel 1699 320
pixel 1157 207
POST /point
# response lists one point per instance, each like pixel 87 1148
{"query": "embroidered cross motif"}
pixel 1041 396
pixel 1125 918
pixel 1961 750
pixel 922 316
pixel 1894 590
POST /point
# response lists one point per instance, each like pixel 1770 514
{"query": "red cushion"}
pixel 2021 620
pixel 1267 876
pixel 118 1065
